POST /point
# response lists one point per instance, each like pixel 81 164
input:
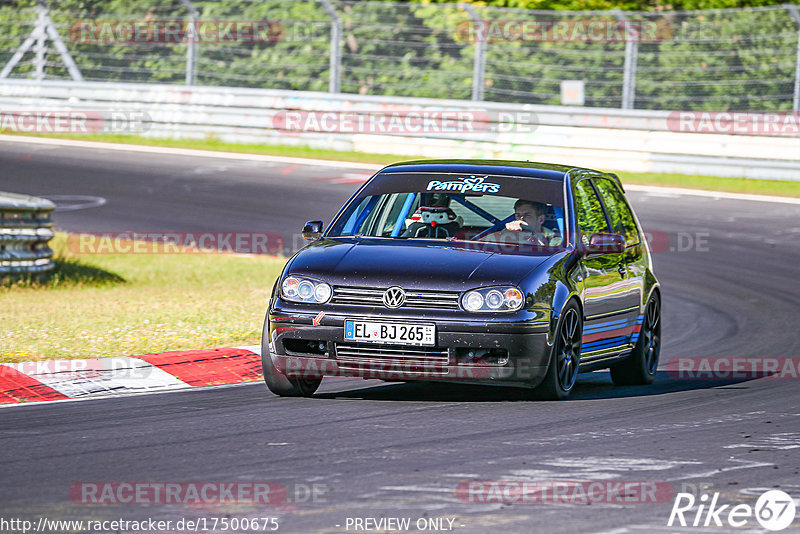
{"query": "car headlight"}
pixel 300 289
pixel 492 299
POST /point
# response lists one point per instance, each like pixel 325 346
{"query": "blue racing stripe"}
pixel 601 328
pixel 605 343
pixel 593 329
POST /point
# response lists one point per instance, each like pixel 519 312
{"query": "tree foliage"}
pixel 629 5
pixel 699 60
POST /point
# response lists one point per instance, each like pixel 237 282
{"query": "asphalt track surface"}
pixel 401 450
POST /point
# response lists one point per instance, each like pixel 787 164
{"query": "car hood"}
pixel 417 264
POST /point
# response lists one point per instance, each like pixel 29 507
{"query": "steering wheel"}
pixel 527 235
pixel 490 231
pixel 499 226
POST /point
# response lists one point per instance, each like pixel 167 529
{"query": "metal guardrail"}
pixel 25 229
pixel 623 140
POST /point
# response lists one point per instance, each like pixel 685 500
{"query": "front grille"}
pixel 415 298
pixel 391 358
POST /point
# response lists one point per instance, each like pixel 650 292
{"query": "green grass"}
pixel 212 143
pixel 711 183
pixel 131 304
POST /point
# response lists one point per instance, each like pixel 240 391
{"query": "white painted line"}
pixel 603 463
pixel 744 464
pixel 75 202
pixel 187 389
pixel 190 152
pixel 424 489
pixel 782 441
pixel 672 191
pixel 101 377
pixel 348 165
pixel 559 474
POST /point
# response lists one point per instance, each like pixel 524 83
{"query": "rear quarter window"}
pixel 619 212
pixel 589 211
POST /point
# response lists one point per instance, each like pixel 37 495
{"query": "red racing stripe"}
pixel 19 387
pixel 209 367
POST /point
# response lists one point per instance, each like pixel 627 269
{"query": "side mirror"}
pixel 605 244
pixel 312 230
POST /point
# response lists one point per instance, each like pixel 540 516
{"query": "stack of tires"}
pixel 25 230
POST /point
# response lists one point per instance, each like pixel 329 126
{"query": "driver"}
pixel 529 217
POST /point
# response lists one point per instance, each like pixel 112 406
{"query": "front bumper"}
pixel 512 352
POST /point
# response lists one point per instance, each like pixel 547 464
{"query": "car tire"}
pixel 640 367
pixel 279 383
pixel 565 356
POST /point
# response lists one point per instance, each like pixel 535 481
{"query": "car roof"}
pixel 530 169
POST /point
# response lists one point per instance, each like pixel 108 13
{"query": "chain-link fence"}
pixel 746 59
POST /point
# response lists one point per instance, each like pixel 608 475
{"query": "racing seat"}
pixel 555 220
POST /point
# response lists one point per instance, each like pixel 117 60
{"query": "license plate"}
pixel 396 333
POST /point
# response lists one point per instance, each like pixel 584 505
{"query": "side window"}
pixel 618 210
pixel 591 218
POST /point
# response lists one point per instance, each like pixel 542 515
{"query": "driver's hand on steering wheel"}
pixel 517 226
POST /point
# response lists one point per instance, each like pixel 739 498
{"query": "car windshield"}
pixel 485 208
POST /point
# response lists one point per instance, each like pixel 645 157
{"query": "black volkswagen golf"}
pixel 488 272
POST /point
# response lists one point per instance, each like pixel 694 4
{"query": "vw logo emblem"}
pixel 394 297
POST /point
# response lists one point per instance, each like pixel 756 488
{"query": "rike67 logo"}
pixel 774 510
